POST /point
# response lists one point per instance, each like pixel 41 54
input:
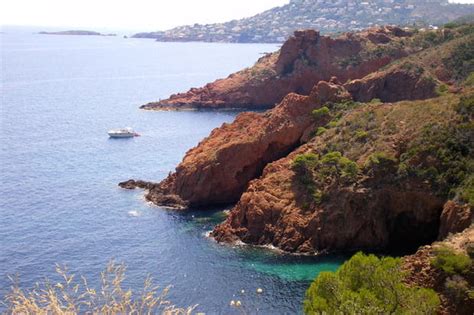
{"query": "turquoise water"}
pixel 59 171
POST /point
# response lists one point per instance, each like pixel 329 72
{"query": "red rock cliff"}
pixel 305 59
pixel 218 170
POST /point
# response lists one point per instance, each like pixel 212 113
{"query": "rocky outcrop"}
pixel 218 170
pixel 374 214
pixel 380 210
pixel 406 79
pixel 305 59
pixel 455 218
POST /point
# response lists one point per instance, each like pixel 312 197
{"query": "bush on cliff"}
pixel 459 274
pixel 442 155
pixel 321 112
pixel 303 166
pixel 461 61
pixel 319 174
pixel 334 165
pixel 451 263
pixel 366 284
pixel 465 107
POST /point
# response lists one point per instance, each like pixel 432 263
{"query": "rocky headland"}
pixel 369 146
pixel 76 32
pixel 306 58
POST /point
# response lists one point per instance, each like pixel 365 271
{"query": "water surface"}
pixel 59 171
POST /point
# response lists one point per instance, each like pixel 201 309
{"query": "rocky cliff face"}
pixel 218 170
pixel 305 59
pixel 379 209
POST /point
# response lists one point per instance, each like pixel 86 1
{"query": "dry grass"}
pixel 71 296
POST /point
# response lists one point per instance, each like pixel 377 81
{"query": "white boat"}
pixel 122 133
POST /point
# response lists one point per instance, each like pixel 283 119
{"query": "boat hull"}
pixel 121 135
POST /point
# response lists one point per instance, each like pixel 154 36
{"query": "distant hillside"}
pixel 327 16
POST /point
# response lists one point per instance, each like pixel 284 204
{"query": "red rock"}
pixel 304 59
pixel 274 211
pixel 455 218
pixel 392 85
pixel 218 170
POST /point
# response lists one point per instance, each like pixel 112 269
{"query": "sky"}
pixel 144 15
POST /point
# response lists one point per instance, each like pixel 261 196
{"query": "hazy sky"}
pixel 143 15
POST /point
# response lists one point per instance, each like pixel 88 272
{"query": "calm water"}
pixel 59 171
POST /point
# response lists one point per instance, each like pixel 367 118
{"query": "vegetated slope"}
pixel 277 24
pixel 377 177
pixel 306 59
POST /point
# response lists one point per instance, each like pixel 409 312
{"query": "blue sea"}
pixel 60 202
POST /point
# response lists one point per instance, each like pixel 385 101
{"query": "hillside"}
pixel 277 24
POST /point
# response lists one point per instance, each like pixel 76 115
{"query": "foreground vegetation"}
pixel 366 284
pixel 70 296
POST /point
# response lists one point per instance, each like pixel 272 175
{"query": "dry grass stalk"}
pixel 69 296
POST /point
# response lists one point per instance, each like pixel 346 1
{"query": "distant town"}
pixel 327 16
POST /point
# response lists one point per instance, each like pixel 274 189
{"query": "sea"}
pixel 59 170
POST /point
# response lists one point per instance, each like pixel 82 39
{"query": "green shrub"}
pixel 458 288
pixel 332 124
pixel 402 170
pixel 451 25
pixel 461 61
pixel 466 191
pixel 465 107
pixel 303 165
pixel 442 154
pixel 366 284
pixel 333 164
pixel 470 250
pixel 321 112
pixel 380 160
pixel 442 89
pixel 318 196
pixel 361 135
pixel 376 101
pixel 413 68
pixel 451 263
pixel 320 131
pixel 469 80
pixel 318 174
